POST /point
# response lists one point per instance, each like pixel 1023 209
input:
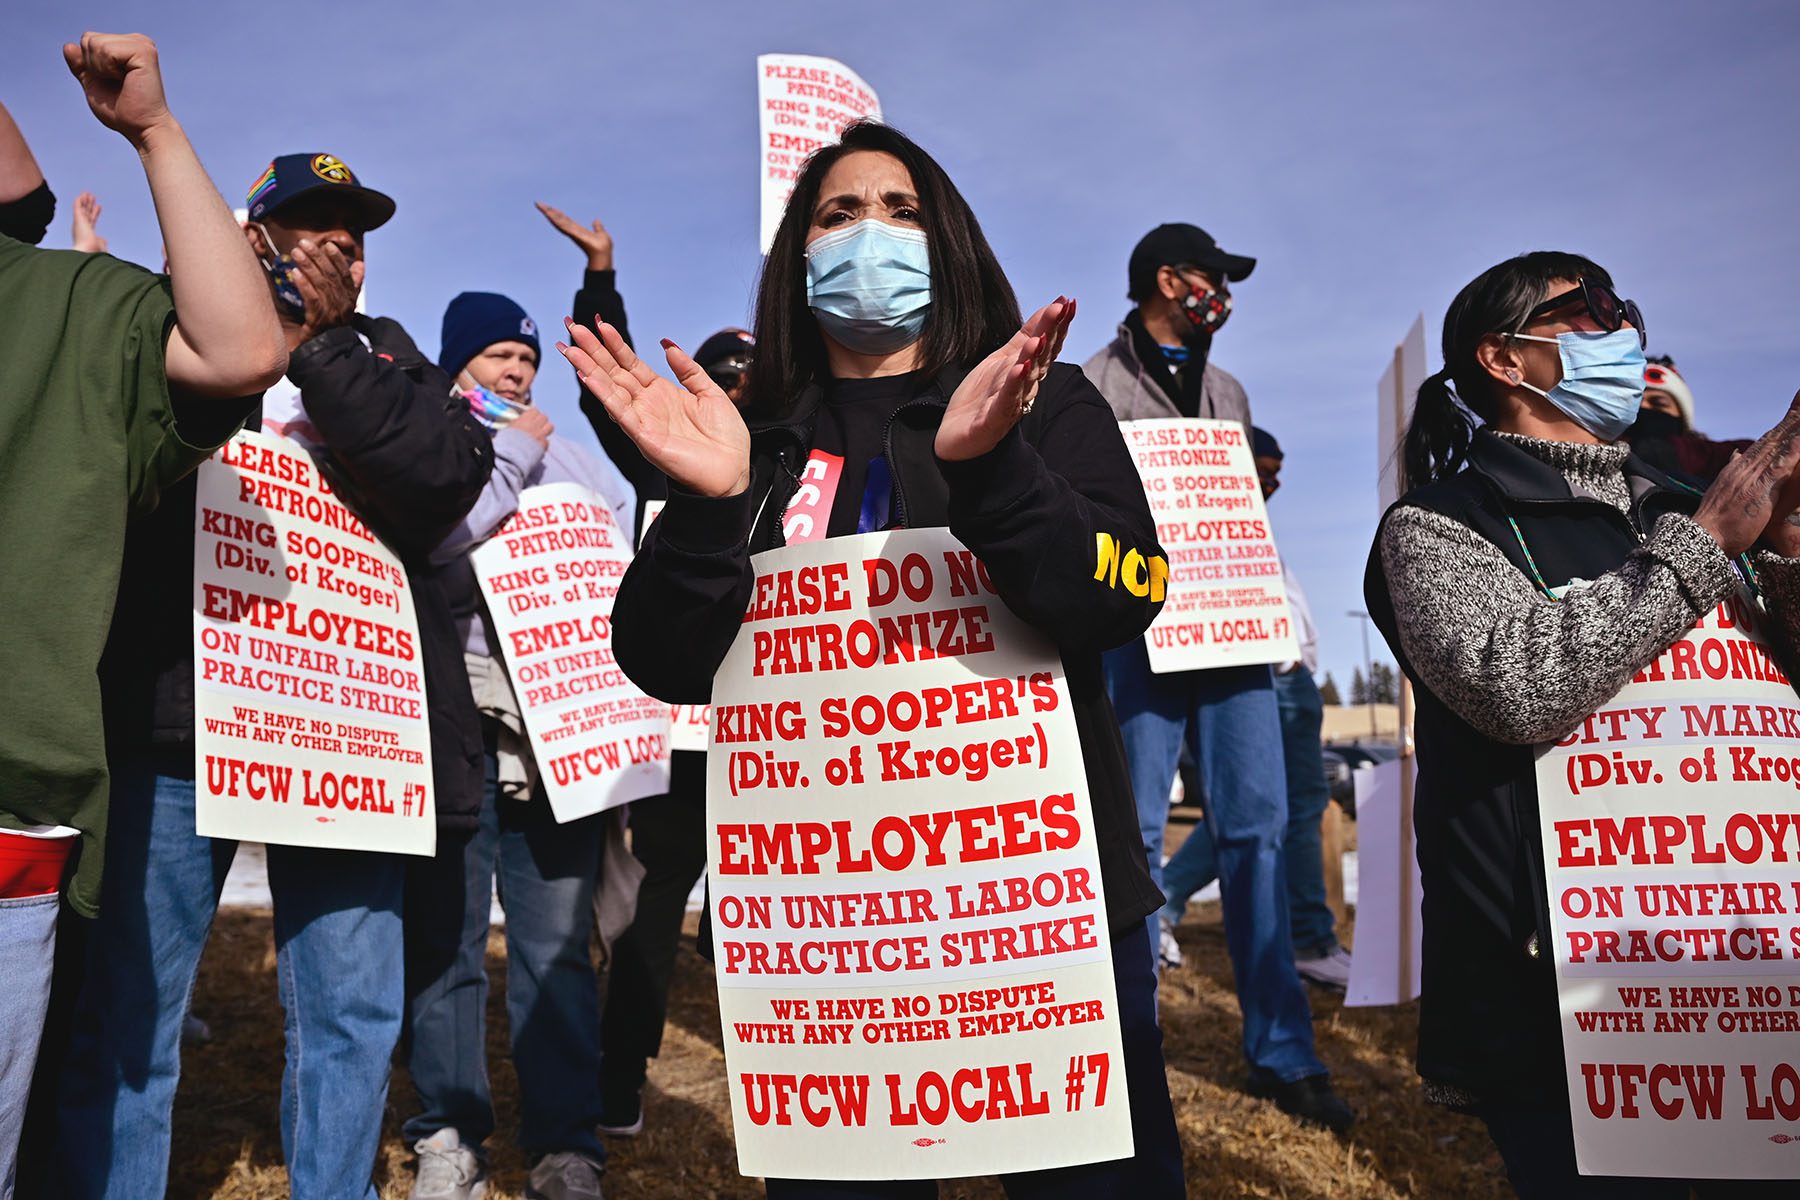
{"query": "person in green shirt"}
pixel 115 383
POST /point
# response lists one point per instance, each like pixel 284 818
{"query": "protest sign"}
pixel 803 102
pixel 1394 398
pixel 914 968
pixel 1671 836
pixel 688 726
pixel 1384 967
pixel 1226 604
pixel 309 688
pixel 549 575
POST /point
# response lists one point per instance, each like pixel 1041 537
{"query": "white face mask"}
pixel 1602 385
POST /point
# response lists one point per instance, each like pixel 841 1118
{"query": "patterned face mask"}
pixel 491 408
pixel 281 274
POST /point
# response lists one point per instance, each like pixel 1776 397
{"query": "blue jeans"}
pixel 1154 1170
pixel 546 873
pixel 27 950
pixel 337 936
pixel 1230 721
pixel 1196 864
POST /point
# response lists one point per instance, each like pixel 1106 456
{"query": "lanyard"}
pixel 1745 568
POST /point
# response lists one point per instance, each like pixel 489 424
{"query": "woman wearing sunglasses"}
pixel 1476 579
pixel 888 337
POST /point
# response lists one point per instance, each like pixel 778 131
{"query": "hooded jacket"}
pixel 1120 373
pixel 1033 510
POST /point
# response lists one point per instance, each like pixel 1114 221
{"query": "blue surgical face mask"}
pixel 1602 383
pixel 869 285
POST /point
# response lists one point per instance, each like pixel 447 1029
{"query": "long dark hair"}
pixel 1496 301
pixel 973 309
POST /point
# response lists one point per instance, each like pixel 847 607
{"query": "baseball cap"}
pixel 1177 245
pixel 292 175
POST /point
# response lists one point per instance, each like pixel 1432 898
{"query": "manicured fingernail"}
pixel 669 344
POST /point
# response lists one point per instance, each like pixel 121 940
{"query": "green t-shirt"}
pixel 88 439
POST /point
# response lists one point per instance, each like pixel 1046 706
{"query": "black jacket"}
pixel 410 459
pixel 1031 510
pixel 599 297
pixel 1488 1020
pixel 405 452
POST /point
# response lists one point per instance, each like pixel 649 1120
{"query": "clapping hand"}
pixel 1003 387
pixel 1756 494
pixel 691 432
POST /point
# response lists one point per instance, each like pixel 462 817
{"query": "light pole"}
pixel 1368 672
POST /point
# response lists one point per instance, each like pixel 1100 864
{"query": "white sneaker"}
pixel 1168 950
pixel 448 1170
pixel 1328 970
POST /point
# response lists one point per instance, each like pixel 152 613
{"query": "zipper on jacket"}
pixel 897 518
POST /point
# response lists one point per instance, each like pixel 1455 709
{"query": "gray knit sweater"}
pixel 1524 669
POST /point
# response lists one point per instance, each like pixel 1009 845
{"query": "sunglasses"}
pixel 1602 303
pixel 729 372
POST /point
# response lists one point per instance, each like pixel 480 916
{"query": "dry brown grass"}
pixel 228 1145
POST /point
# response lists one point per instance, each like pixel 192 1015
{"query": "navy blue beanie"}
pixel 1263 444
pixel 476 320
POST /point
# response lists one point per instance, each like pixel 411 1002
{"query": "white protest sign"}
pixel 803 102
pixel 1384 968
pixel 1671 834
pixel 1226 603
pixel 914 968
pixel 688 724
pixel 1394 398
pixel 549 575
pixel 309 687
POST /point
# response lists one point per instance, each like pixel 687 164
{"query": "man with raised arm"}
pixel 116 383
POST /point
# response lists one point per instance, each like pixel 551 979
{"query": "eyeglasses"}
pixel 1602 303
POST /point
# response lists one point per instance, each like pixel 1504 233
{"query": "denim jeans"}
pixel 1230 721
pixel 337 936
pixel 27 950
pixel 1195 864
pixel 546 877
pixel 668 836
pixel 1154 1170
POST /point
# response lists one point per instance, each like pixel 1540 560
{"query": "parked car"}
pixel 1340 780
pixel 1348 757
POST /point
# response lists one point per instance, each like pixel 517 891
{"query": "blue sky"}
pixel 1374 156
